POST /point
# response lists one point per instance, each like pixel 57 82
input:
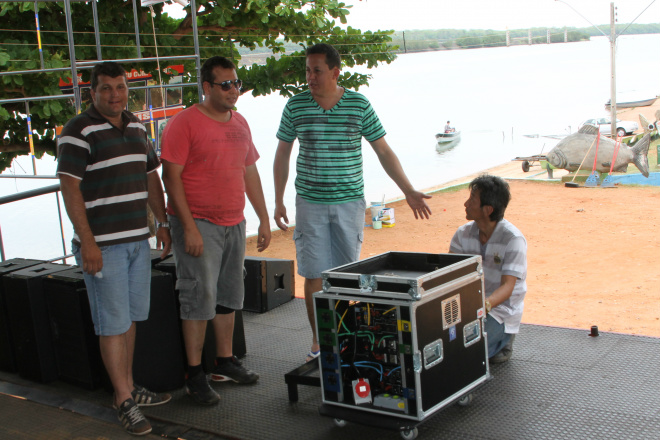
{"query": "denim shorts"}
pixel 121 295
pixel 327 236
pixel 213 278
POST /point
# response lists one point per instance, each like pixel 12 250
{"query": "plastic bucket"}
pixel 377 224
pixel 375 210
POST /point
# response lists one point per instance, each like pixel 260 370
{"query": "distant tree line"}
pixel 443 39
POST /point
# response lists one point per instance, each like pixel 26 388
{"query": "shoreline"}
pixel 573 235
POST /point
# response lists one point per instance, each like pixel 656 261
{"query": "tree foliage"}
pixel 226 27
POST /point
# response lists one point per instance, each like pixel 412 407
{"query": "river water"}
pixel 495 97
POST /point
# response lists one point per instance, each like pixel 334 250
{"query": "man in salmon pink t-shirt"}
pixel 209 164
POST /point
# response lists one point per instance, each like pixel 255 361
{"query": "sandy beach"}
pixel 592 252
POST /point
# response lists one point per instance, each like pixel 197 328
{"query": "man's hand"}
pixel 263 237
pixel 194 242
pixel 91 257
pixel 279 215
pixel 416 202
pixel 164 239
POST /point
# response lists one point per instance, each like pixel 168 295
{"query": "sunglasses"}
pixel 227 85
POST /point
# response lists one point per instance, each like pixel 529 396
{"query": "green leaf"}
pixel 55 106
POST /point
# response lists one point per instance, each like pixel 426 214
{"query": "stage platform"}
pixel 560 384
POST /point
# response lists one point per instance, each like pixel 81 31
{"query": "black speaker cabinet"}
pixel 29 321
pixel 155 256
pixel 208 355
pixel 74 340
pixel 269 282
pixel 158 359
pixel 7 350
pixel 238 342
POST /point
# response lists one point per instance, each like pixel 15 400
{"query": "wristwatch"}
pixel 164 225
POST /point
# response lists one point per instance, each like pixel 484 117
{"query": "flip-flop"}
pixel 312 355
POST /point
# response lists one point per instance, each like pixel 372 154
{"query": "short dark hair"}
pixel 332 58
pixel 206 71
pixel 493 191
pixel 107 68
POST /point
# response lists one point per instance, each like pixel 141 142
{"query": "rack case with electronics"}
pixel 402 336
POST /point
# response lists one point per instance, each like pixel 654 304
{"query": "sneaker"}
pixel 144 397
pixel 505 353
pixel 199 389
pixel 132 419
pixel 235 371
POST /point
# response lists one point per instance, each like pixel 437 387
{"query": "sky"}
pixel 491 14
pixel 495 14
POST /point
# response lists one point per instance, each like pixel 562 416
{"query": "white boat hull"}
pixel 631 104
pixel 447 140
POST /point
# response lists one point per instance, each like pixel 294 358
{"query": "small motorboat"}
pixel 447 140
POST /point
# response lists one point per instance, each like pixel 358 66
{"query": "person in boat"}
pixel 503 250
pixel 330 205
pixel 209 165
pixel 449 128
pixel 108 175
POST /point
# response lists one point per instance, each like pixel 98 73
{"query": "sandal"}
pixel 312 355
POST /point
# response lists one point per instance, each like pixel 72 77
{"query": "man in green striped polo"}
pixel 329 123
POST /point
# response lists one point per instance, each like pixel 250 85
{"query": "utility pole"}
pixel 612 38
pixel 613 61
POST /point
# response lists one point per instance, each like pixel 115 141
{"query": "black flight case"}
pixel 402 336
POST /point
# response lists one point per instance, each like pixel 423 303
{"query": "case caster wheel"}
pixel 409 434
pixel 525 166
pixel 339 422
pixel 465 400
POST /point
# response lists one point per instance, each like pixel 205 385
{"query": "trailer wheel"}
pixel 465 400
pixel 525 166
pixel 409 434
pixel 339 422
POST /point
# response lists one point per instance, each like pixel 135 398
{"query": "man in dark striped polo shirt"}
pixel 329 123
pixel 108 174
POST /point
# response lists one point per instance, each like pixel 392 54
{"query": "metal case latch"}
pixel 368 283
pixel 417 362
pixel 433 354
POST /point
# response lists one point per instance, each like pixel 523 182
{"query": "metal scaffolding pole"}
pixel 35 98
pixel 198 66
pixel 72 55
pixel 97 34
pixel 36 18
pixel 90 64
pixel 137 29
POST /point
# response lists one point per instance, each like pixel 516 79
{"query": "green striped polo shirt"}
pixel 112 165
pixel 329 164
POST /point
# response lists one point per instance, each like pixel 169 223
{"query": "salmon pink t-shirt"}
pixel 214 156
